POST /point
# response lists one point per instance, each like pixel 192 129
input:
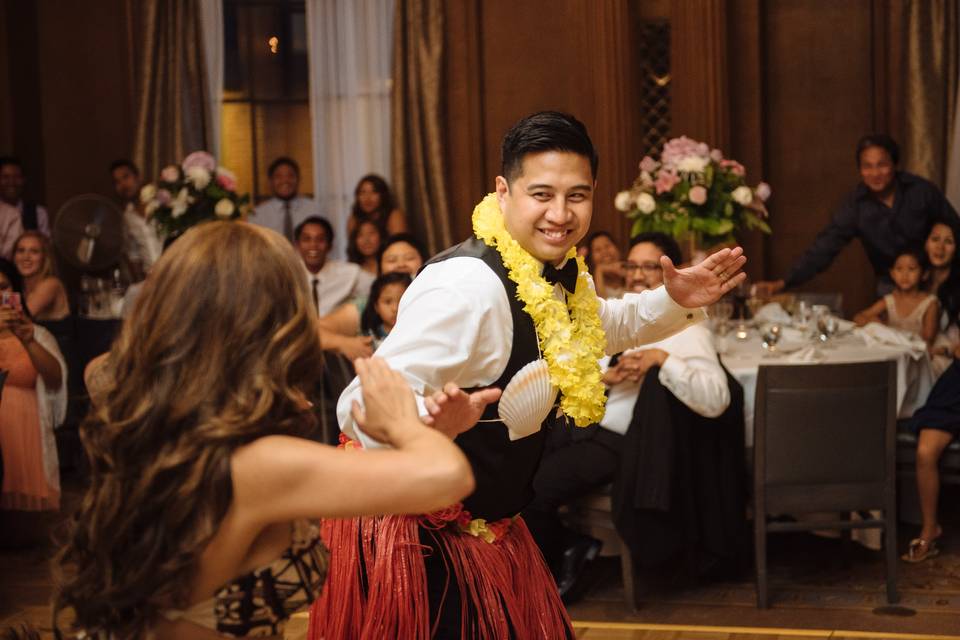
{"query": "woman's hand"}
pixel 17 323
pixel 453 411
pixel 389 408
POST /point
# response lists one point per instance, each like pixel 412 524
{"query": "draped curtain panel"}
pixel 930 85
pixel 211 22
pixel 419 141
pixel 172 97
pixel 350 65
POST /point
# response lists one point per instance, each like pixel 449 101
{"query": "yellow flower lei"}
pixel 571 338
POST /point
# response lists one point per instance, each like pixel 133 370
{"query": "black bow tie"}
pixel 566 275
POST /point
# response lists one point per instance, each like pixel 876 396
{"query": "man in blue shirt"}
pixel 889 211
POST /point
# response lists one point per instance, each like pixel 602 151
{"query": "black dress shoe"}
pixel 576 558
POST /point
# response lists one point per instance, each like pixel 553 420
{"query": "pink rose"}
pixel 698 194
pixel 226 179
pixel 763 191
pixel 735 167
pixel 164 197
pixel 170 173
pixel 666 181
pixel 716 155
pixel 648 164
pixel 199 159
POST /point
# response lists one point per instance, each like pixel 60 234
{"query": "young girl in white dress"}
pixel 908 308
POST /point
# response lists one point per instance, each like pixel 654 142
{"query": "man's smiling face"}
pixel 547 208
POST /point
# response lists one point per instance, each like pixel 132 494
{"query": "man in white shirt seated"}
pixel 141 243
pixel 590 458
pixel 331 282
pixel 285 210
pixel 33 217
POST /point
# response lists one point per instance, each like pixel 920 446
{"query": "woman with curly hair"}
pixel 201 513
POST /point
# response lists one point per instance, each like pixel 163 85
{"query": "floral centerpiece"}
pixel 195 191
pixel 694 190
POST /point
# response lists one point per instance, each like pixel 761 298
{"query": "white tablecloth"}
pixel 743 358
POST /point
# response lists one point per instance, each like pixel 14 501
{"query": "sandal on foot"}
pixel 921 549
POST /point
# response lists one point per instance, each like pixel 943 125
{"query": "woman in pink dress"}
pixel 33 402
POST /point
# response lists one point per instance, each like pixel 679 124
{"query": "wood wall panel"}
pixel 818 101
pixel 6 102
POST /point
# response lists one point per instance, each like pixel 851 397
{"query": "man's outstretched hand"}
pixel 453 411
pixel 704 283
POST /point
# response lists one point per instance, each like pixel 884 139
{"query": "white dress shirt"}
pixel 43 218
pixel 692 372
pixel 141 242
pixel 270 213
pixel 454 325
pixel 338 282
pixel 11 227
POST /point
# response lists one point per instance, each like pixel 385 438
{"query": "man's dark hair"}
pixel 279 162
pixel 123 162
pixel 662 241
pixel 881 140
pixel 5 160
pixel 323 222
pixel 545 131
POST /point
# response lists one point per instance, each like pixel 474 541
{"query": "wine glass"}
pixel 723 310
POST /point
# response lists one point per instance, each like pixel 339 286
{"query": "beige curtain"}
pixel 417 136
pixel 170 82
pixel 930 85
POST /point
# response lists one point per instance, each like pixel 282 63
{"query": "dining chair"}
pixel 825 440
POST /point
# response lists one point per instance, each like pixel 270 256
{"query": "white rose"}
pixel 742 195
pixel 199 176
pixel 180 203
pixel 148 193
pixel 224 208
pixel 151 208
pixel 623 201
pixel 692 164
pixel 646 203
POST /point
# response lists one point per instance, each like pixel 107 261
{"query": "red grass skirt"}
pixel 377 584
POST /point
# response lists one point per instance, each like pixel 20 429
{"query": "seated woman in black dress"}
pixel 200 518
pixel 937 424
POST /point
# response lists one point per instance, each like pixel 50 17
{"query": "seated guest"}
pixel 340 330
pixel 33 217
pixel 380 315
pixel 890 210
pixel 11 228
pixel 46 296
pixel 374 201
pixel 285 210
pixel 944 282
pixel 907 308
pixel 141 243
pixel 218 402
pixel 603 259
pixel 687 366
pixel 332 282
pixel 34 402
pixel 363 247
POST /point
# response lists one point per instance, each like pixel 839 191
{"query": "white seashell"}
pixel 527 400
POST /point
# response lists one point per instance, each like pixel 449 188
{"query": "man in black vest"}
pixel 32 215
pixel 472 570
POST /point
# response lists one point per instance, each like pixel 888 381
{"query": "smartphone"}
pixel 10 299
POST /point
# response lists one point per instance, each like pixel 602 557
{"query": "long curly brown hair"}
pixel 221 349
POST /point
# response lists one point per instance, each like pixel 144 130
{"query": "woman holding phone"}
pixel 34 401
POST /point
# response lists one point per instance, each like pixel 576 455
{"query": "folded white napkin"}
pixel 808 354
pixel 772 313
pixel 876 334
